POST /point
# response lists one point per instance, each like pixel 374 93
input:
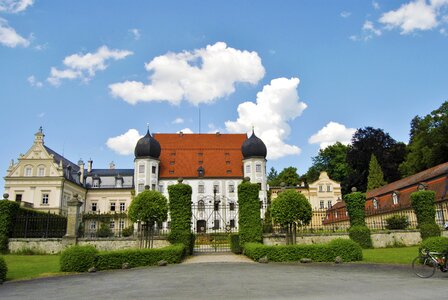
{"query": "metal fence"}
pixel 32 225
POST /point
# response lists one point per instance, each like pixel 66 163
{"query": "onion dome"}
pixel 147 146
pixel 253 147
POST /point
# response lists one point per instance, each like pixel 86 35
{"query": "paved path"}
pixel 217 258
pixel 237 281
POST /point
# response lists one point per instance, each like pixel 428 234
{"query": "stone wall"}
pixel 53 246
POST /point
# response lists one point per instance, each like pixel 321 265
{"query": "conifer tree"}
pixel 376 177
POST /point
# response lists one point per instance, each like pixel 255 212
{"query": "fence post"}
pixel 71 235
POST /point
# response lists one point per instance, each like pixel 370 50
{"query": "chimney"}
pixel 89 166
pixel 81 170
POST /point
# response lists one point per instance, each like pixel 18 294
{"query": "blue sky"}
pixel 303 73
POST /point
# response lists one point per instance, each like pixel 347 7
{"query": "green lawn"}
pixel 390 255
pixel 31 266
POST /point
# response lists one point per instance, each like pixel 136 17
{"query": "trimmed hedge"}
pixel 139 257
pixel 436 244
pixel 3 269
pixel 356 203
pixel 361 235
pixel 348 250
pixel 78 258
pixel 249 220
pixel 8 212
pixel 397 222
pixel 180 213
pixel 235 246
pixel 429 230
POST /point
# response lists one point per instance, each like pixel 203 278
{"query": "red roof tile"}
pixel 220 155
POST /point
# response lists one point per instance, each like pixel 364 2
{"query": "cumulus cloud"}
pixel 368 32
pixel 178 121
pixel 9 37
pixel 415 15
pixel 345 14
pixel 135 33
pixel 200 76
pixel 276 105
pixel 124 144
pixel 14 6
pixel 34 82
pixel 331 133
pixel 84 66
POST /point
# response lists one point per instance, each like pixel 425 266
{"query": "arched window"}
pixel 395 198
pixel 41 170
pixel 28 171
pixel 201 205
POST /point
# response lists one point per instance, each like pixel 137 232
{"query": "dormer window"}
pixel 201 171
pixel 422 186
pixel 375 203
pixel 118 182
pixel 395 198
pixel 96 181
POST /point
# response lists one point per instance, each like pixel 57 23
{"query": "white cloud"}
pixel 124 144
pixel 9 37
pixel 135 33
pixel 34 82
pixel 345 14
pixel 85 66
pixel 200 76
pixel 415 15
pixel 14 6
pixel 276 105
pixel 178 121
pixel 185 130
pixel 330 134
pixel 368 32
pixel 376 5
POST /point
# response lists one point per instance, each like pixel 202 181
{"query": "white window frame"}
pixel 395 198
pixel 41 171
pixel 94 204
pixel 329 188
pixel 141 169
pixel 231 188
pixel 248 168
pixel 258 168
pixel 329 203
pixel 140 187
pixel 114 205
pixel 45 198
pixel 122 206
pixel 201 188
pixel 28 171
pixel 322 204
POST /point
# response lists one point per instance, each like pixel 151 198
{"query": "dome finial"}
pixel 147 128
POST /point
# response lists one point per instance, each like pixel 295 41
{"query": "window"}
pixel 201 205
pixel 121 224
pixel 141 169
pixel 161 188
pixel 93 225
pixel 119 182
pixel 216 224
pixel 229 171
pixel 153 187
pixel 375 203
pixel 395 198
pixel 329 203
pixel 94 206
pixel 171 171
pixel 258 168
pixel 232 223
pixel 112 225
pixel 247 168
pixel 141 187
pixel 322 204
pixel 28 171
pixel 321 188
pixel 231 188
pixel 216 206
pixel 231 206
pixel 18 197
pixel 328 188
pixel 154 169
pixel 112 206
pixel 200 162
pixel 41 171
pixel 215 188
pixel 45 199
pixel 228 162
pixel 201 189
pixel 200 154
pixel 96 182
pixel 122 206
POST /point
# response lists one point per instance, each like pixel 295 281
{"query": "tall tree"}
pixel 289 176
pixel 333 160
pixel 365 142
pixel 428 144
pixel 272 176
pixel 376 177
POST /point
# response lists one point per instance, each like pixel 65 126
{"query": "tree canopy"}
pixel 288 175
pixel 148 206
pixel 428 145
pixel 375 178
pixel 291 207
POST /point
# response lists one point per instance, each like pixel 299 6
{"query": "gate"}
pixel 213 223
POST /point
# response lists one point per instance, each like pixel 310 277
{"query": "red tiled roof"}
pixel 181 155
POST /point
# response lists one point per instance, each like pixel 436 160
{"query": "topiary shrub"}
pixel 139 257
pixel 128 231
pixel 180 213
pixel 355 204
pixel 346 249
pixel 235 244
pixel 436 244
pixel 3 269
pixel 361 235
pixel 104 231
pixel 8 212
pixel 78 258
pixel 429 230
pixel 397 222
pixel 423 204
pixel 249 221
